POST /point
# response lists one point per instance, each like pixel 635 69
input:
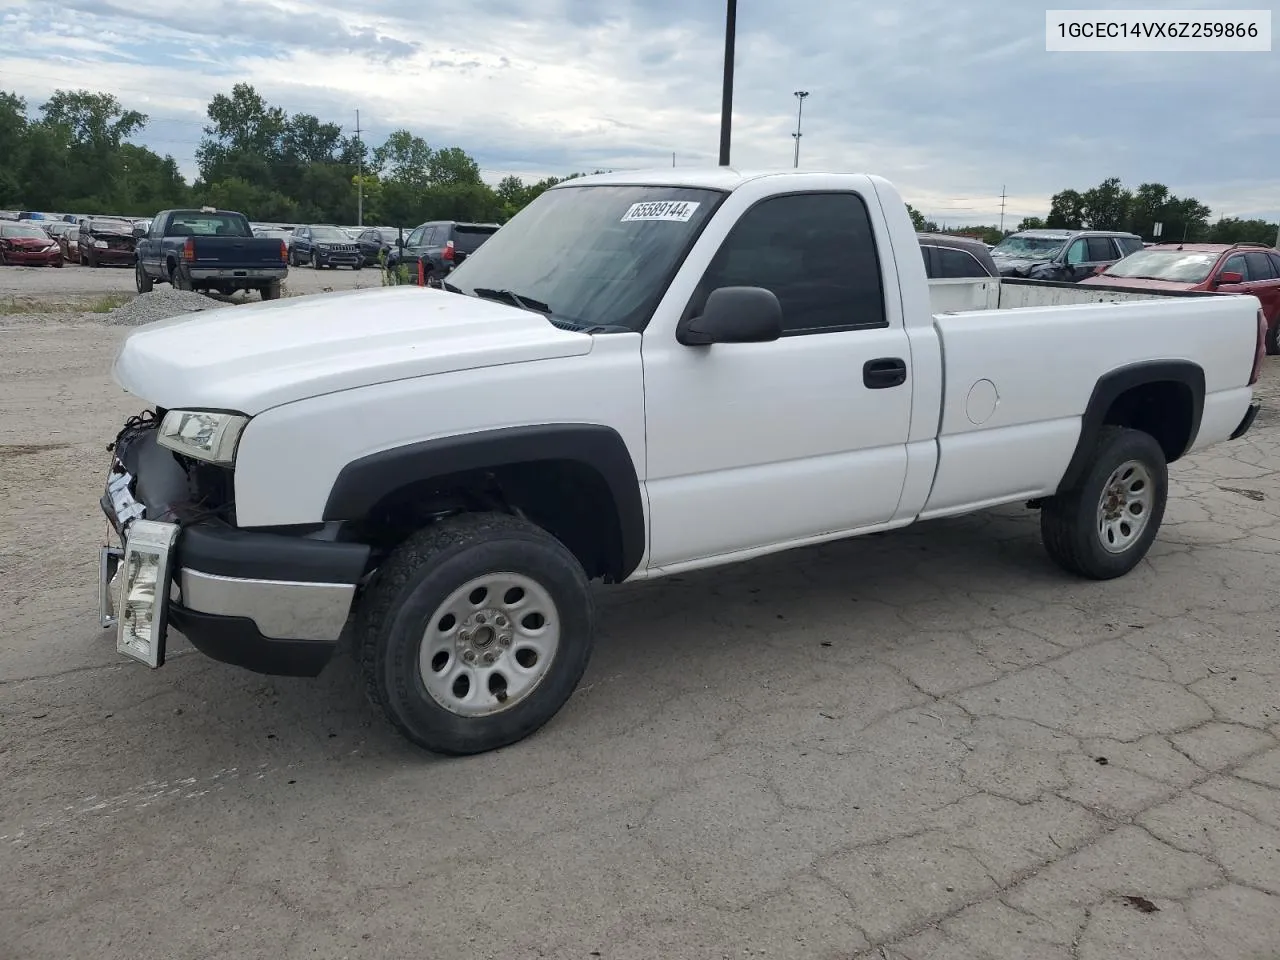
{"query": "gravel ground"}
pixel 74 284
pixel 160 304
pixel 927 745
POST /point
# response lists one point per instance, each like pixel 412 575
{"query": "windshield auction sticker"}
pixel 678 211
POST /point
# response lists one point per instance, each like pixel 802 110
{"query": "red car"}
pixel 1252 268
pixel 25 244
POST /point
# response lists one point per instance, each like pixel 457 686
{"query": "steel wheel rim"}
pixel 489 645
pixel 1124 509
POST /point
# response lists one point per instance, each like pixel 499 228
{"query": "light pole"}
pixel 726 101
pixel 799 95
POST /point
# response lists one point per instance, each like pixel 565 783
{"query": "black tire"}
pixel 140 279
pixel 315 261
pixel 181 278
pixel 1070 522
pixel 413 583
pixel 1273 344
pixel 270 291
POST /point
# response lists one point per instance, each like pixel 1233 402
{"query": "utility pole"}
pixel 673 158
pixel 359 174
pixel 726 98
pixel 799 95
pixel 1002 199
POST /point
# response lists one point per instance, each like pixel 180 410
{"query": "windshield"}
pixel 594 256
pixel 22 230
pixel 1176 265
pixel 110 226
pixel 1028 248
pixel 468 237
pixel 329 235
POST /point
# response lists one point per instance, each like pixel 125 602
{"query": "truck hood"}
pixel 254 357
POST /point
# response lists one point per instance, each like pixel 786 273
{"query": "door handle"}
pixel 884 372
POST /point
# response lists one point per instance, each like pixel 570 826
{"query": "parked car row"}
pixel 94 241
pixel 440 245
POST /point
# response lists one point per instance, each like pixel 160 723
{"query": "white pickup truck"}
pixel 638 375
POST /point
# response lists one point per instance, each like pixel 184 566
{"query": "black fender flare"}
pixel 1111 385
pixel 362 484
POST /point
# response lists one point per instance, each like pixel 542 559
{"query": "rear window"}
pixel 468 238
pixel 208 225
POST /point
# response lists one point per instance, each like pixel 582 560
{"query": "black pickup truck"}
pixel 209 249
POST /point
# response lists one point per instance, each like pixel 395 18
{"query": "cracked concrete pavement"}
pixel 924 745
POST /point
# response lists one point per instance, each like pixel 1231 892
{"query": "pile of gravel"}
pixel 160 304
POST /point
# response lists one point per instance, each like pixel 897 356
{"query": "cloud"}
pixel 955 103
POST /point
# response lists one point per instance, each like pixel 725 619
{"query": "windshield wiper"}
pixel 509 296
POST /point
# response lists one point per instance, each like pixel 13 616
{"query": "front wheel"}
pixel 1272 339
pixel 1103 527
pixel 475 633
pixel 315 261
pixel 140 279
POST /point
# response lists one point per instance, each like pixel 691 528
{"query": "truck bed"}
pixel 1014 391
pixel 996 293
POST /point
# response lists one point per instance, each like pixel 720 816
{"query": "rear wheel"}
pixel 181 280
pixel 1273 342
pixel 1103 527
pixel 271 291
pixel 475 633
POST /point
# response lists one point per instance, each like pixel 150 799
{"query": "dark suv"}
pixel 375 242
pixel 441 245
pixel 1063 255
pixel 323 245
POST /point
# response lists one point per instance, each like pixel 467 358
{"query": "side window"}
pixel 1101 249
pixel 415 238
pixel 1259 266
pixel 816 252
pixel 927 253
pixel 1078 252
pixel 157 228
pixel 1236 264
pixel 1275 262
pixel 958 263
pixel 1128 245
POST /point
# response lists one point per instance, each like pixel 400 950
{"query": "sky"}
pixel 956 101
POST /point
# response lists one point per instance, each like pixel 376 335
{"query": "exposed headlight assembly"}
pixel 211 437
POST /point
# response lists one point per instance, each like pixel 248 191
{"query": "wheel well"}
pixel 1164 409
pixel 569 499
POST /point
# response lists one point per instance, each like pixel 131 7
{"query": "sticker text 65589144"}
pixel 678 211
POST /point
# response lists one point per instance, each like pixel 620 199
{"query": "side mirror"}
pixel 1100 268
pixel 734 315
pixel 139 233
pixel 1230 276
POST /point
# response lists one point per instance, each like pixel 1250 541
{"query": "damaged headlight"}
pixel 206 436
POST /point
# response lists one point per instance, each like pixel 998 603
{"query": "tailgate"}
pixel 237 253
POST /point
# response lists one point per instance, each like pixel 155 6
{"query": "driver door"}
pixel 753 446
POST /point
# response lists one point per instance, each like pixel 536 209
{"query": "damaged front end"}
pixel 150 494
pixel 271 601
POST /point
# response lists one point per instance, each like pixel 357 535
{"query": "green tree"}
pixel 1031 223
pixel 1066 211
pixel 1106 206
pixel 452 165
